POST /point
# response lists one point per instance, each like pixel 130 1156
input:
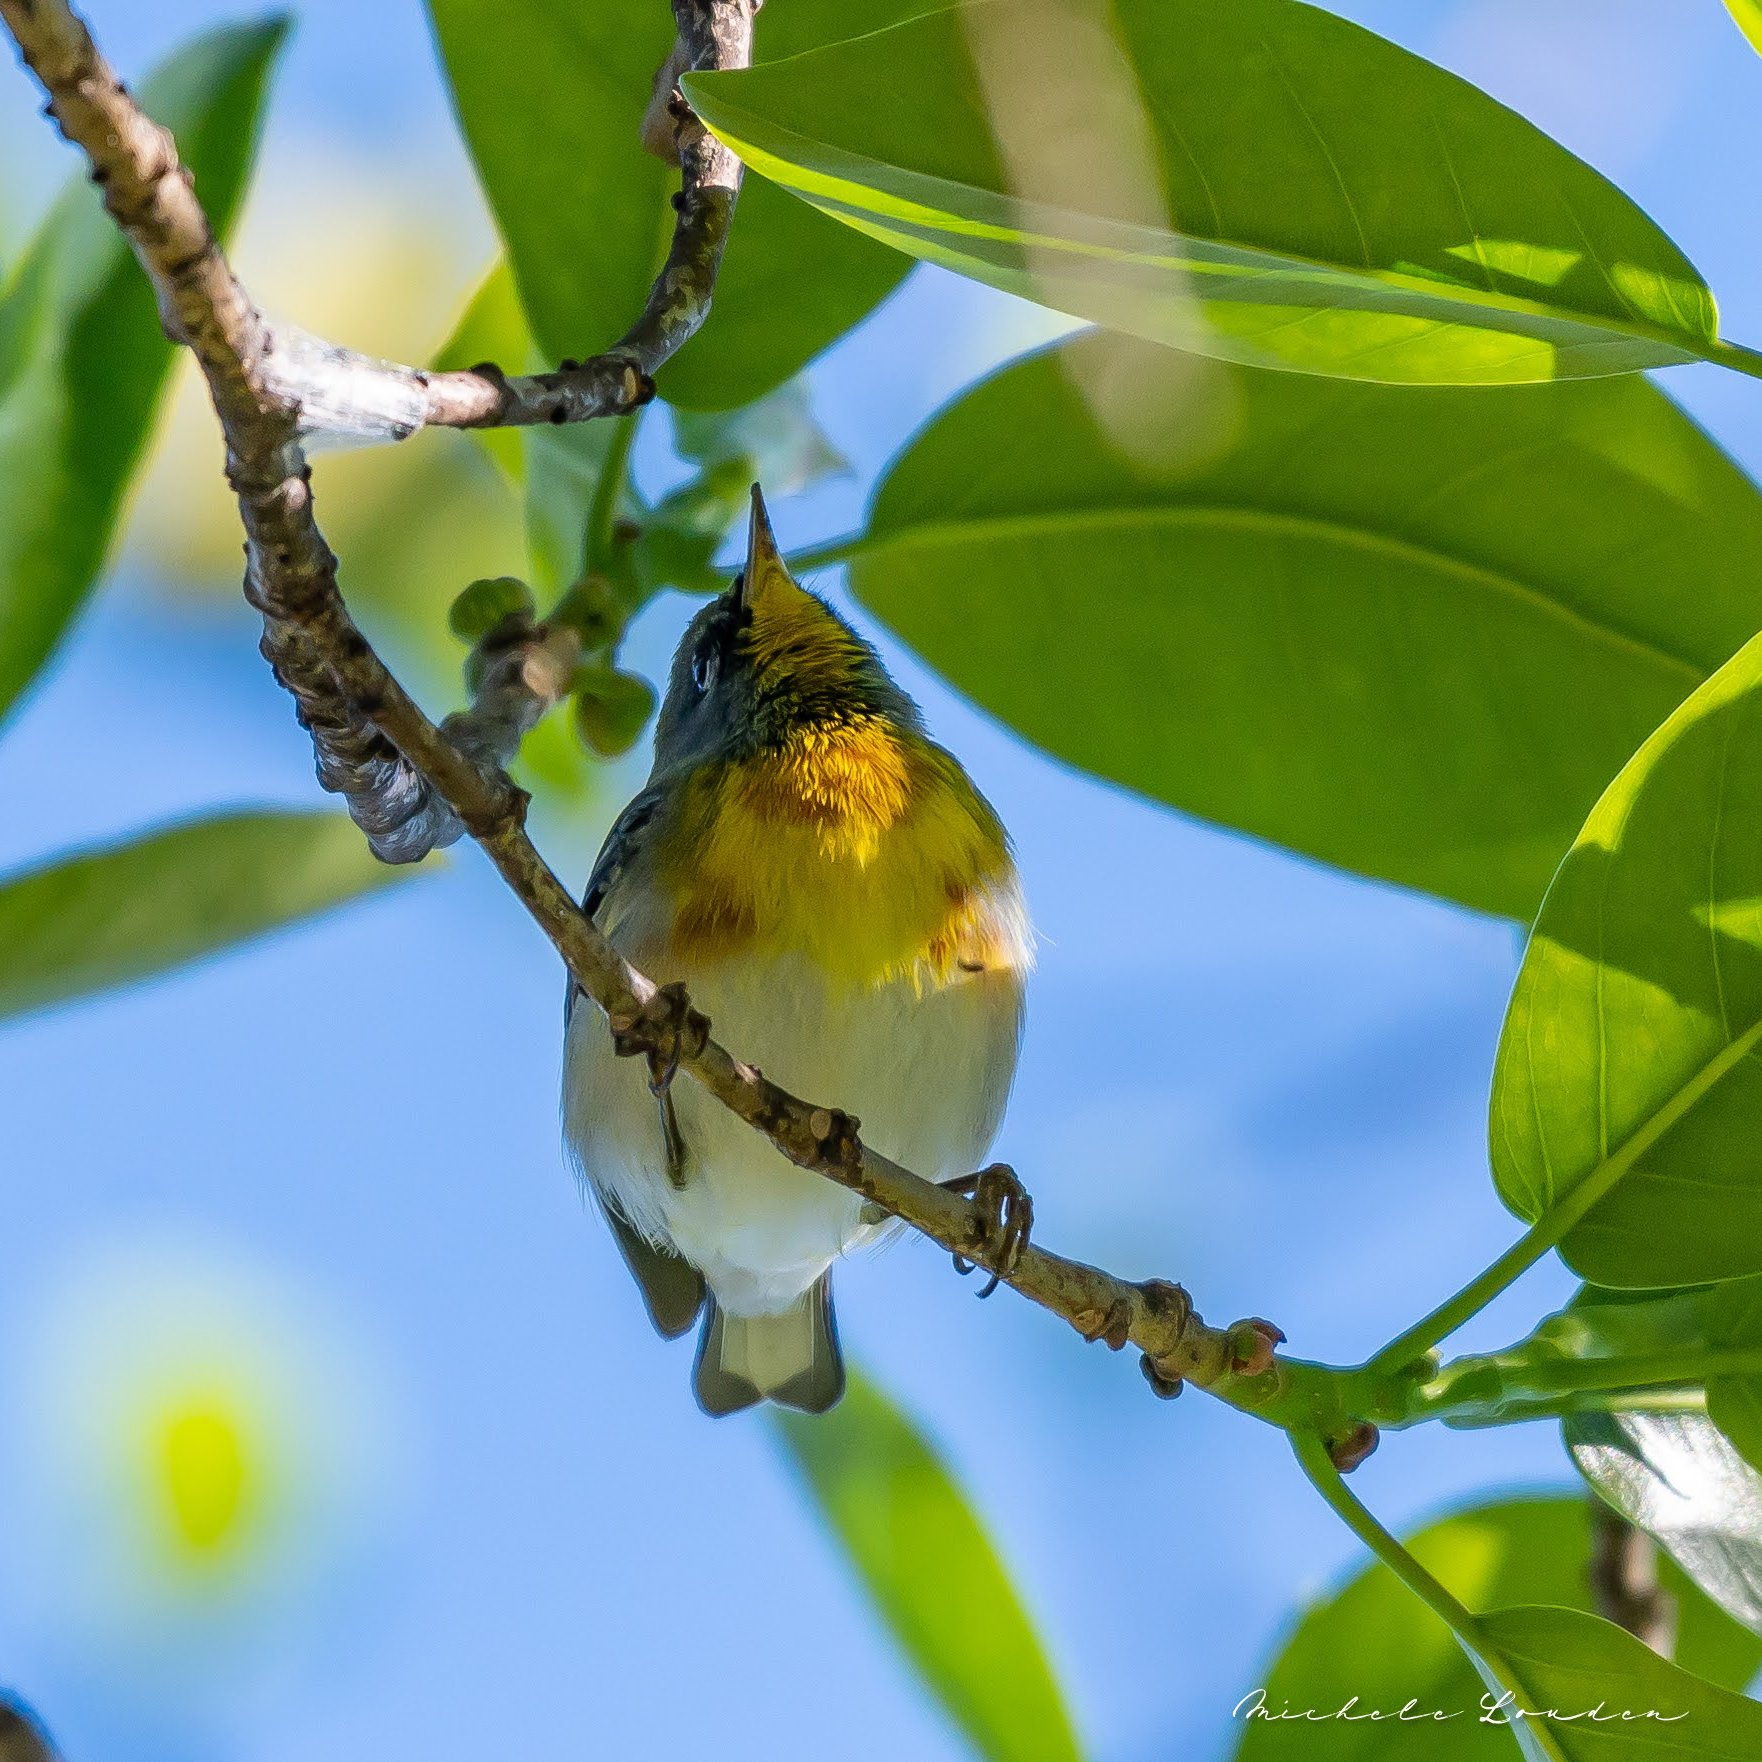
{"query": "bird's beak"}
pixel 764 563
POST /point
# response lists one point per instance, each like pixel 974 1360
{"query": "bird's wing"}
pixel 622 844
pixel 672 1288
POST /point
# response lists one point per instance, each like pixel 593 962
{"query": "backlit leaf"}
pixel 1680 1479
pixel 83 359
pixel 934 1574
pixel 1260 180
pixel 1748 14
pixel 1627 1096
pixel 105 917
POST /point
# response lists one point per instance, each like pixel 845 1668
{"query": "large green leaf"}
pixel 83 358
pixel 1372 1648
pixel 105 917
pixel 1570 1667
pixel 1748 14
pixel 1260 180
pixel 1412 632
pixel 1627 1096
pixel 584 210
pixel 1678 1477
pixel 492 329
pixel 934 1574
pixel 556 470
pixel 1734 1401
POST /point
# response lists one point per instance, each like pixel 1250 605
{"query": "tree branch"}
pixel 271 387
pixel 377 745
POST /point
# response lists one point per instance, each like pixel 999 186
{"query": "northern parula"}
pixel 842 903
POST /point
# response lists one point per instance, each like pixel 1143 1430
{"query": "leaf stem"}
pixel 1312 1457
pixel 1548 1230
pixel 1680 1399
pixel 1471 1299
pixel 1508 1388
pixel 1644 1370
pixel 1736 357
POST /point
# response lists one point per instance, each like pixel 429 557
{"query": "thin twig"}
pixel 334 390
pixel 362 719
pixel 273 386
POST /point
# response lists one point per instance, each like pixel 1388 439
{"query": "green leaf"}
pixel 775 440
pixel 557 470
pixel 1627 1095
pixel 1680 1479
pixel 1574 1665
pixel 1261 181
pixel 83 359
pixel 492 328
pixel 1734 1403
pixel 1328 614
pixel 584 210
pixel 1748 14
pixel 1372 1646
pixel 933 1573
pixel 106 917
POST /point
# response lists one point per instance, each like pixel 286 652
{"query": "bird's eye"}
pixel 703 668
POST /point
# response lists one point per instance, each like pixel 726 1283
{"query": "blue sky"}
pixel 342 1144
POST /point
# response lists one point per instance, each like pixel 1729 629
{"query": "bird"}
pixel 843 903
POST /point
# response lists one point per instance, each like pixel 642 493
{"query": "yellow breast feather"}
pixel 858 843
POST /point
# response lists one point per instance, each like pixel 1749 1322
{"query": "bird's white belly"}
pixel 926 1073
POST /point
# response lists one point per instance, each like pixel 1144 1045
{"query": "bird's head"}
pixel 766 663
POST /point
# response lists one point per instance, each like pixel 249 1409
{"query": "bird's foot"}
pixel 666 1030
pixel 999 1231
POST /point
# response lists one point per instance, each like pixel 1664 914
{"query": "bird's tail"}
pixel 791 1358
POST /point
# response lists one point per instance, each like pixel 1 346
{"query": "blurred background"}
pixel 329 1422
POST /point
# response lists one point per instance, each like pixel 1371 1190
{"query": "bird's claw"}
pixel 999 1231
pixel 666 1030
